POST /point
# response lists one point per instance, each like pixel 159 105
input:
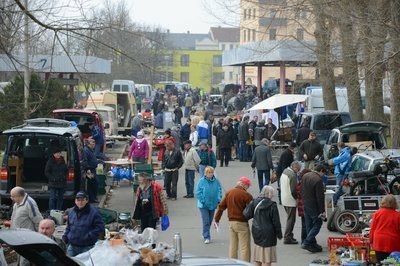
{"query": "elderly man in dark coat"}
pixel 262 160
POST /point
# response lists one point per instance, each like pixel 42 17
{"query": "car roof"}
pixel 35 247
pixel 44 126
pixel 365 126
pixel 325 112
pixel 76 111
pixel 100 108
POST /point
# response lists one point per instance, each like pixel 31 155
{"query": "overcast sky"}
pixel 180 15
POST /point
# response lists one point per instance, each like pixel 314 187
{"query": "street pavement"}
pixel 185 218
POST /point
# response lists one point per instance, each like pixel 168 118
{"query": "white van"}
pixel 122 85
pixel 108 115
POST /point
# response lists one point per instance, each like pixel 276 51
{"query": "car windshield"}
pixel 329 122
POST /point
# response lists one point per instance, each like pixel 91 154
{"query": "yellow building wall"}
pixel 200 67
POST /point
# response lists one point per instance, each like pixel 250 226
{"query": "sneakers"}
pixel 290 242
pixel 188 196
pixel 207 241
pixel 313 249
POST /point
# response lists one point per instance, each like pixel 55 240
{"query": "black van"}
pixel 322 122
pixel 27 150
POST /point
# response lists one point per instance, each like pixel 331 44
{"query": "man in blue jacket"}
pixel 84 226
pixel 342 164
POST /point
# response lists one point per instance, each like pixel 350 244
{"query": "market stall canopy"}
pixel 279 100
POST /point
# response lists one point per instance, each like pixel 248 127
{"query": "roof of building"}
pixel 272 53
pixel 225 34
pixel 56 63
pixel 184 41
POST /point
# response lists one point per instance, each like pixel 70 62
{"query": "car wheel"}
pixel 346 221
pixel 330 225
pixel 394 186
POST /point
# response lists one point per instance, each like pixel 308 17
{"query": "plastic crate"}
pixel 335 242
pixel 357 240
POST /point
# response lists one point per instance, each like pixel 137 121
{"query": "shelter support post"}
pixel 282 83
pixel 243 76
pixel 259 79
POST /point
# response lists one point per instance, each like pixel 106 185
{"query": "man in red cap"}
pixel 235 201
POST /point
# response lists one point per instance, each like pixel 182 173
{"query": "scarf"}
pixel 139 140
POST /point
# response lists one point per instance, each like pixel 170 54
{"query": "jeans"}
pixel 303 229
pixel 201 169
pixel 243 151
pixel 207 217
pixel 171 182
pixel 239 237
pixel 92 187
pixel 189 182
pixel 263 174
pixel 339 192
pixel 56 198
pixel 339 179
pixel 73 251
pixel 313 225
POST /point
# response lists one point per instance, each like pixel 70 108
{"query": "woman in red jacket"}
pixel 385 228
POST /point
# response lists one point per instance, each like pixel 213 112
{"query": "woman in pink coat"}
pixel 139 151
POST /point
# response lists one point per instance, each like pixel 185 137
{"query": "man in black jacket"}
pixel 286 158
pixel 310 151
pixel 312 194
pixel 171 162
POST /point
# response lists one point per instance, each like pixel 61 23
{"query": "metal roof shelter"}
pixel 271 53
pixel 56 64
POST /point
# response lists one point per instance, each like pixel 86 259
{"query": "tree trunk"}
pixel 349 57
pixel 394 64
pixel 375 38
pixel 322 33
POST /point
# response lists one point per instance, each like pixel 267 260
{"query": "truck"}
pixel 123 102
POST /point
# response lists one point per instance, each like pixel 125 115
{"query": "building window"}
pixel 184 76
pixel 248 35
pixel 223 47
pixel 272 13
pixel 272 34
pixel 244 14
pixel 230 46
pixel 244 35
pixel 217 60
pixel 185 60
pixel 254 13
pixel 217 78
pixel 300 34
pixel 230 75
pixel 167 60
pixel 254 35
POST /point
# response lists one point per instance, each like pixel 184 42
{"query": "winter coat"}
pixel 385 230
pixel 84 226
pixel 202 130
pixel 288 188
pixel 172 161
pixel 259 134
pixel 26 214
pixel 312 191
pixel 185 131
pixel 208 193
pixel 191 159
pixel 311 149
pixel 342 162
pixel 89 159
pixel 160 143
pixel 56 172
pixel 266 226
pixel 262 158
pixel 243 131
pixel 285 160
pixel 224 139
pixel 207 157
pixel 97 135
pixel 158 201
pixel 139 150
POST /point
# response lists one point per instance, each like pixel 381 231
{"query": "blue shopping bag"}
pixel 164 222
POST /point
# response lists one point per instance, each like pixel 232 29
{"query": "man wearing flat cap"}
pixel 85 225
pixel 150 202
pixel 235 201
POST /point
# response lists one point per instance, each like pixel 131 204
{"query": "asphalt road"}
pixel 185 219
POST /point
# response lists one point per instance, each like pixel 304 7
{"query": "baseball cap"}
pixel 245 180
pixel 81 194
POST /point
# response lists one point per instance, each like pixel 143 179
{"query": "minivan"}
pixel 321 122
pixel 28 148
pixel 122 85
